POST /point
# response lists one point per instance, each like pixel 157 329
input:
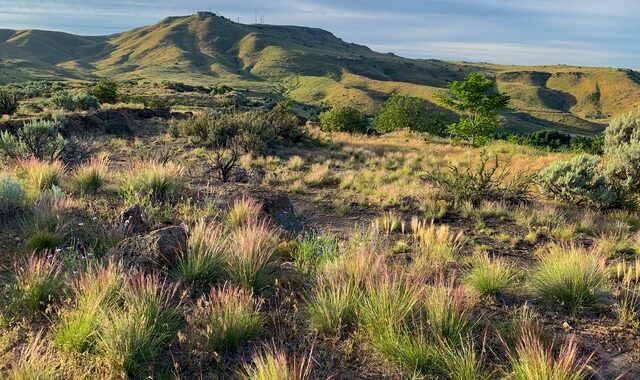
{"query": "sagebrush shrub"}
pixel 39 139
pixel 578 181
pixel 624 129
pixel 12 195
pixel 8 103
pixel 84 101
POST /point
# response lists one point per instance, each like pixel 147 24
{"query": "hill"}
pixel 310 66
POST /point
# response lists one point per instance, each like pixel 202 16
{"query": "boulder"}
pixel 159 248
pixel 132 221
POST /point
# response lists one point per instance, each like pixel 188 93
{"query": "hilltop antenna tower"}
pixel 256 14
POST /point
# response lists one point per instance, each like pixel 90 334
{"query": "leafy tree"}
pixel 401 111
pixel 343 119
pixel 478 103
pixel 105 90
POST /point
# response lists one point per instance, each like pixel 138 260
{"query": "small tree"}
pixel 401 111
pixel 8 103
pixel 343 119
pixel 105 90
pixel 478 103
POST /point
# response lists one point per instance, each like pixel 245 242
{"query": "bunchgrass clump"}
pixel 490 276
pixel 131 337
pixel 434 247
pixel 95 291
pixel 251 260
pixel 320 176
pixel 90 178
pixel 225 319
pixel 535 360
pixel 273 364
pixel 571 276
pixel 39 176
pixel 311 252
pixel 205 259
pixel 150 180
pixel 333 304
pixel 448 312
pixel 36 361
pixel 243 211
pixel 38 282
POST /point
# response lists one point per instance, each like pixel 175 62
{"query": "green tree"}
pixel 401 111
pixel 105 90
pixel 343 119
pixel 478 103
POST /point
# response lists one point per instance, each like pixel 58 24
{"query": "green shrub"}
pixel 343 119
pixel 12 195
pixel 400 112
pixel 573 277
pixel 40 139
pixel 226 319
pixel 84 101
pixel 622 130
pixel 8 103
pixel 578 181
pixel 106 91
pixel 486 182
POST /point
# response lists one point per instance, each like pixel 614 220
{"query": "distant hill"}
pixel 311 66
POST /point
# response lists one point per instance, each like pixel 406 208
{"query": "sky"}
pixel 575 32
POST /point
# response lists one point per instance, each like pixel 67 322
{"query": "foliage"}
pixel 624 129
pixel 343 118
pixel 40 139
pixel 12 195
pixel 90 178
pixel 39 176
pixel 105 90
pixel 73 102
pixel 221 89
pixel 225 319
pixel 253 262
pixel 573 277
pixel 401 112
pixel 38 282
pixel 8 103
pixel 479 105
pixel 490 276
pixel 489 181
pixel 205 260
pixel 578 181
pixel 152 180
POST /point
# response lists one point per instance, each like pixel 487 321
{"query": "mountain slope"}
pixel 311 66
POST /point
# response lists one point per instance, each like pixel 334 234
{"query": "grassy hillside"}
pixel 311 66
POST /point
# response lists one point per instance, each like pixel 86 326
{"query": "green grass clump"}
pixel 37 283
pixel 153 181
pixel 90 178
pixel 273 364
pixel 130 338
pixel 205 259
pixel 490 276
pixel 95 291
pixel 39 176
pixel 243 211
pixel 320 176
pixel 448 313
pixel 251 260
pixel 225 319
pixel 333 304
pixel 535 360
pixel 571 276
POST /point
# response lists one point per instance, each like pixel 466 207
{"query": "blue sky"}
pixel 577 32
